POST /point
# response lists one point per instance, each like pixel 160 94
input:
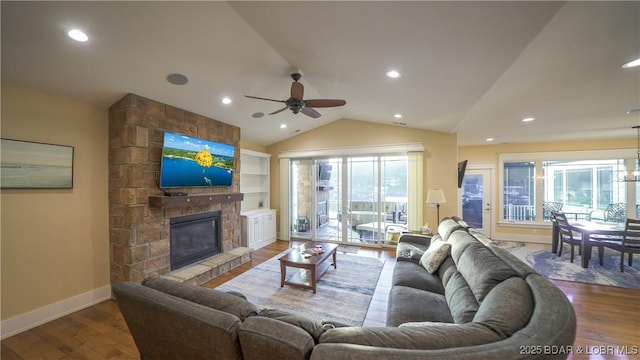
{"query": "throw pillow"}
pixel 434 256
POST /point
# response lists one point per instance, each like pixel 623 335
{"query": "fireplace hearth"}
pixel 194 238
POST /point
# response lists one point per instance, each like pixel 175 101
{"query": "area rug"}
pixel 343 294
pixel 349 249
pixel 540 257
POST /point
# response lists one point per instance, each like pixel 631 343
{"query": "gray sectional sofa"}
pixel 479 302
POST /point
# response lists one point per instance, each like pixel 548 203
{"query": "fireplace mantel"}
pixel 161 201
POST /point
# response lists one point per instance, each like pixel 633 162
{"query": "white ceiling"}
pixel 475 68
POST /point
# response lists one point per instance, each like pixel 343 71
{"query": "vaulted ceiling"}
pixel 475 68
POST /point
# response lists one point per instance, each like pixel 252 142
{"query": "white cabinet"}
pixel 254 180
pixel 258 228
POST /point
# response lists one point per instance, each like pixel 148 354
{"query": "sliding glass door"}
pixel 350 199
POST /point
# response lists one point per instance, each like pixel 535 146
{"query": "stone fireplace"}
pixel 139 213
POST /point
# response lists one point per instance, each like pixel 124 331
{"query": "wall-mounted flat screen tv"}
pixel 324 171
pixel 462 167
pixel 192 162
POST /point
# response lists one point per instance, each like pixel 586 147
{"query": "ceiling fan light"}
pixel 631 64
pixel 393 74
pixel 78 35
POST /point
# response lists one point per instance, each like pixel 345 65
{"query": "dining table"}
pixel 589 230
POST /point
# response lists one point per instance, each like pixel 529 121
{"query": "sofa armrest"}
pixel 418 239
pixel 264 338
pixel 164 326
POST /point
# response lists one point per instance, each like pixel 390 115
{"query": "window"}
pixel 579 183
pixel 519 191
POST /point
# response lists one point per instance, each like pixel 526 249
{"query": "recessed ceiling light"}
pixel 393 74
pixel 177 79
pixel 78 35
pixel 283 126
pixel 528 119
pixel 489 139
pixel 226 100
pixel 398 116
pixel 257 115
pixel 632 63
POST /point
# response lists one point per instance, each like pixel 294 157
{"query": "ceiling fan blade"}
pixel 310 112
pixel 261 98
pixel 297 91
pixel 324 102
pixel 277 111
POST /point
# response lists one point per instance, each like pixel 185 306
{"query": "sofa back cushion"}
pixel 264 338
pixel 446 227
pixel 479 266
pixel 212 298
pixel 462 303
pixel 507 308
pixel 446 270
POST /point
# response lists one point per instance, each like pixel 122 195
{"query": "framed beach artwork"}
pixel 32 165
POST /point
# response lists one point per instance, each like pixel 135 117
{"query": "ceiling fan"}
pixel 296 103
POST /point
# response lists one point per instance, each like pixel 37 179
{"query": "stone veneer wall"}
pixel 139 234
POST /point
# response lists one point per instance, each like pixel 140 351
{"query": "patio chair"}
pixel 550 206
pixel 613 213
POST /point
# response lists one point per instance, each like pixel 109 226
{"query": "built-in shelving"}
pixel 254 180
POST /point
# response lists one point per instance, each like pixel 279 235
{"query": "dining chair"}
pixel 630 242
pixel 566 234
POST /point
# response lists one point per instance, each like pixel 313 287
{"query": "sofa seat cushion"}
pixel 424 336
pixel 409 304
pixel 411 274
pixel 212 298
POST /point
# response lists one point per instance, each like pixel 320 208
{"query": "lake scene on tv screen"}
pixel 188 162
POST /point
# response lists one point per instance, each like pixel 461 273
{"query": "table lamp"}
pixel 436 196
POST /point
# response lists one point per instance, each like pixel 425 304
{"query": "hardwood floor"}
pixel 608 321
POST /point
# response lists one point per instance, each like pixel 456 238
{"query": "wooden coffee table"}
pixel 311 268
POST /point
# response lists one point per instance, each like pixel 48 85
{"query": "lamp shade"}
pixel 436 196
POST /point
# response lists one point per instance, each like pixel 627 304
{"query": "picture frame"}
pixel 35 165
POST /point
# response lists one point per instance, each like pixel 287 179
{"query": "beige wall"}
pixel 55 242
pixel 251 146
pixel 440 158
pixel 488 154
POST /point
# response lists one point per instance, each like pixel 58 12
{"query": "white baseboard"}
pixel 31 319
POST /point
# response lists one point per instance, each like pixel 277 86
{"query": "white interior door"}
pixel 476 199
